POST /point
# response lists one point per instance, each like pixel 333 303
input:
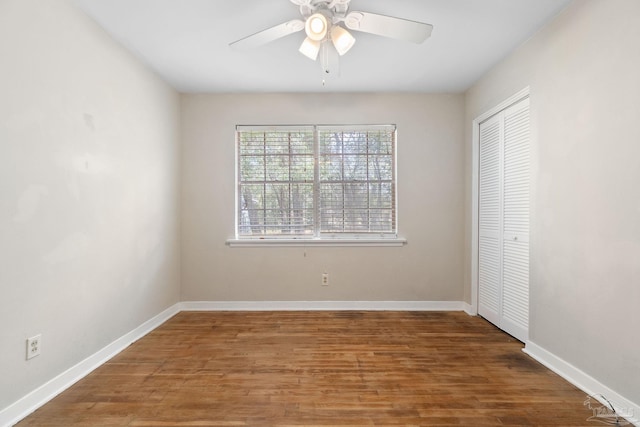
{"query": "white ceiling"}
pixel 187 43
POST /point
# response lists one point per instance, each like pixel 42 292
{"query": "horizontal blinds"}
pixel 309 180
pixel 356 179
pixel 275 182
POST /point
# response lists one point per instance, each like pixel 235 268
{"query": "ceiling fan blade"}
pixel 269 35
pixel 388 26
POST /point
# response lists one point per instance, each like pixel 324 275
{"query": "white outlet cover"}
pixel 34 346
pixel 325 279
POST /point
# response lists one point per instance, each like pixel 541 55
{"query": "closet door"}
pixel 503 264
pixel 515 237
pixel 490 220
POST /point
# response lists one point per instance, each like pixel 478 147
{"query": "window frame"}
pixel 319 237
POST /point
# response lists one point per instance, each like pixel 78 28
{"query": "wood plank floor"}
pixel 319 369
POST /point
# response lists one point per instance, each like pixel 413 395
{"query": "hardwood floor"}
pixel 319 369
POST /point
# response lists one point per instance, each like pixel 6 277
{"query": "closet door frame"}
pixel 475 185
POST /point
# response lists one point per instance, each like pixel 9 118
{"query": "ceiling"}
pixel 187 43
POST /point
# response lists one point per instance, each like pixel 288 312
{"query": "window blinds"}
pixel 315 181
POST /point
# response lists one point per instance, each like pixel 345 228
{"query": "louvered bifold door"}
pixel 515 236
pixel 490 220
pixel 503 222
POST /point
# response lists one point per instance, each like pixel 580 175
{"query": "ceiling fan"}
pixel 324 23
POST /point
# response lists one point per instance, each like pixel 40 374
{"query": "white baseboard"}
pixel 592 387
pixel 322 305
pixel 468 308
pixel 38 397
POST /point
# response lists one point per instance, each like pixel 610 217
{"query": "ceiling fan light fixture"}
pixel 342 39
pixel 317 27
pixel 310 48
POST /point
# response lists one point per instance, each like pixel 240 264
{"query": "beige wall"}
pixel 584 75
pixel 88 191
pixel 430 192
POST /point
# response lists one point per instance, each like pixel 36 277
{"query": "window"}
pixel 316 182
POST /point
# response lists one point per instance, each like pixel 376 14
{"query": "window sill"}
pixel 364 242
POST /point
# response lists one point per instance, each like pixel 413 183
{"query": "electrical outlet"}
pixel 34 345
pixel 325 279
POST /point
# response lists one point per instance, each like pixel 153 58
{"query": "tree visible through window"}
pixel 316 181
